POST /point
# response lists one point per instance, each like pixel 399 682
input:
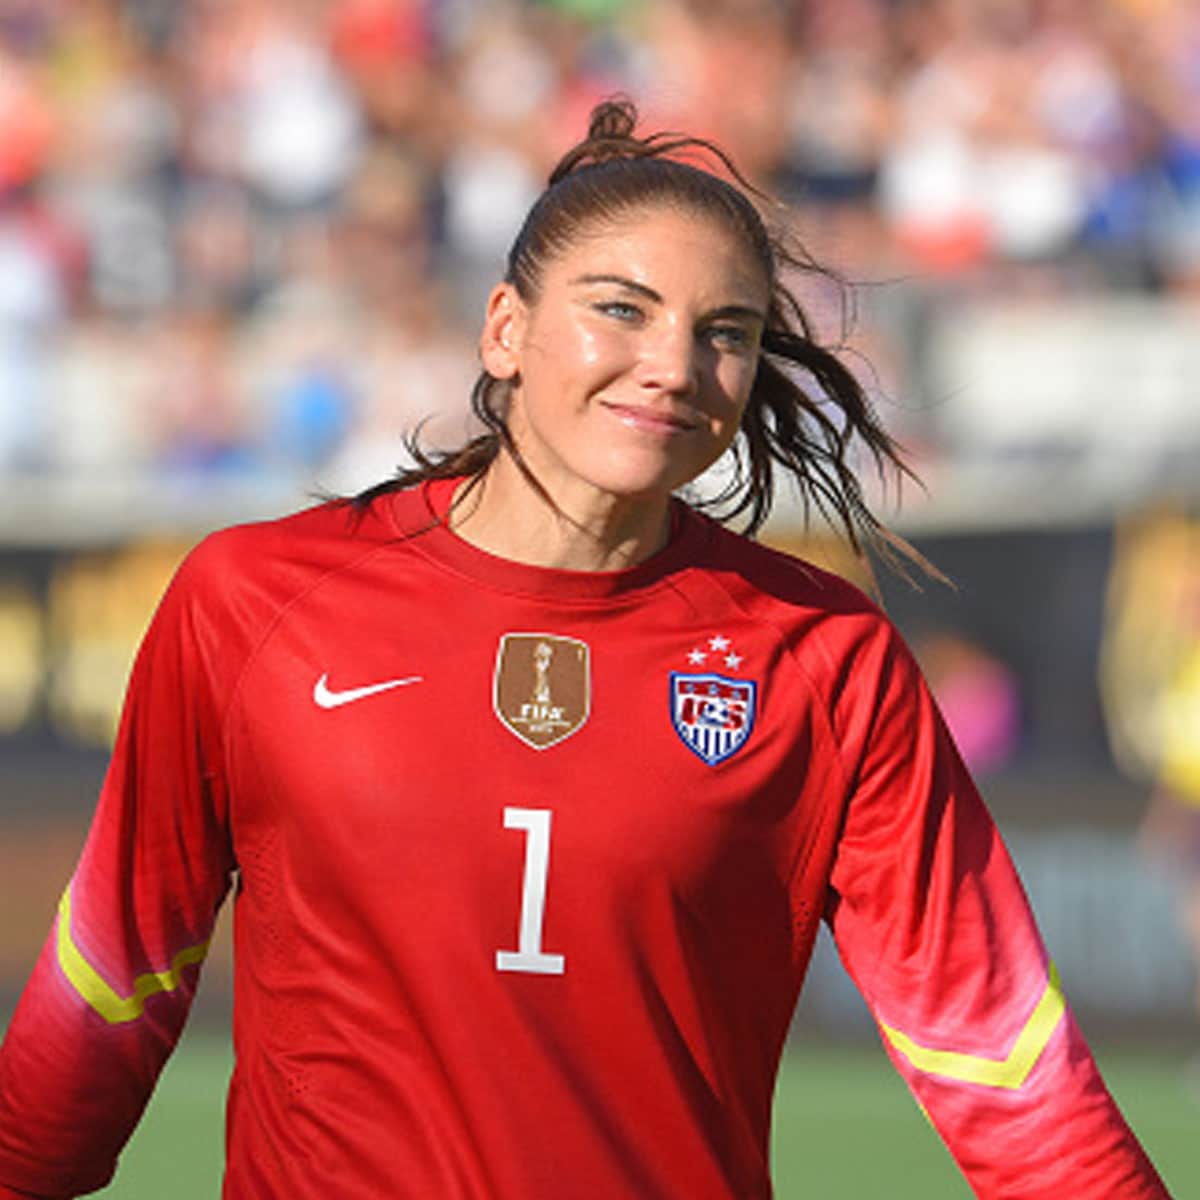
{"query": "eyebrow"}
pixel 620 280
pixel 726 310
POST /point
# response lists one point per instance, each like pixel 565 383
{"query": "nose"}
pixel 670 359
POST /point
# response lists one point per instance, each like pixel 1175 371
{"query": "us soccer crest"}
pixel 542 691
pixel 713 714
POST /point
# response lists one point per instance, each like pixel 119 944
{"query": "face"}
pixel 633 366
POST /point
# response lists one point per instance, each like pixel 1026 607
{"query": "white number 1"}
pixel 529 955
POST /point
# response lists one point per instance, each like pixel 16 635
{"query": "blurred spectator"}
pixel 1148 630
pixel 385 48
pixel 976 168
pixel 298 344
pixel 504 80
pixel 38 260
pixel 717 69
pixel 194 405
pixel 1151 685
pixel 978 697
pixel 27 124
pixel 838 107
pixel 32 284
pixel 413 377
pixel 104 406
pixel 216 248
pixel 269 106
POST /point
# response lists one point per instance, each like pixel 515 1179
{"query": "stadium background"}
pixel 243 248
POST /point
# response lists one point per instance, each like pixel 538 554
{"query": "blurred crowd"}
pixel 240 237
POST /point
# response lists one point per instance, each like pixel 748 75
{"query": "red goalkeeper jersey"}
pixel 527 866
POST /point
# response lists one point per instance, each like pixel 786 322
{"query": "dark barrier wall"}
pixel 1036 601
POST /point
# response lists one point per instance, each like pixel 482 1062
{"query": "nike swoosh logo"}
pixel 324 697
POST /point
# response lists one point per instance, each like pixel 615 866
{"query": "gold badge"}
pixel 543 687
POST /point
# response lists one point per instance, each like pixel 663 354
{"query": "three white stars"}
pixel 733 660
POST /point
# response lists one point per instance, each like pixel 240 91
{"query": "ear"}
pixel 503 330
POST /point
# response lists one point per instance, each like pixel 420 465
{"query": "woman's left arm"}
pixel 931 921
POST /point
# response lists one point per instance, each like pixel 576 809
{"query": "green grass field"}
pixel 845 1127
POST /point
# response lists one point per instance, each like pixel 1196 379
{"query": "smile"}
pixel 651 420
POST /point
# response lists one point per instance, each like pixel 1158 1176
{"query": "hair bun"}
pixel 613 120
pixel 609 136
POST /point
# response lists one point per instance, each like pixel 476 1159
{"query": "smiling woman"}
pixel 537 783
pixel 629 375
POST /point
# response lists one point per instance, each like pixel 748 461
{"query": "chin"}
pixel 648 477
pixel 640 485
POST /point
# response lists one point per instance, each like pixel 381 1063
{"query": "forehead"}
pixel 657 244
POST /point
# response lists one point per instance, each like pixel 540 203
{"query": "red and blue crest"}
pixel 712 714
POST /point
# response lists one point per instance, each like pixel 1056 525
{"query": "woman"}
pixel 537 783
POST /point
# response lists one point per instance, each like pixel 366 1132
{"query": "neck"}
pixel 587 530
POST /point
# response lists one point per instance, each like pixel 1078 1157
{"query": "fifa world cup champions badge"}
pixel 713 712
pixel 542 689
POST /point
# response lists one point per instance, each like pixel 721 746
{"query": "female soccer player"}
pixel 536 782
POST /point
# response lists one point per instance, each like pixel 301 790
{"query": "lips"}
pixel 647 419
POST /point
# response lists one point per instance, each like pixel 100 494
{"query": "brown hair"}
pixel 806 408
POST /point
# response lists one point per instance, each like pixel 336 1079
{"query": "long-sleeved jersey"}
pixel 527 866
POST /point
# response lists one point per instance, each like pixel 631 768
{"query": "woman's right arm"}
pixel 111 990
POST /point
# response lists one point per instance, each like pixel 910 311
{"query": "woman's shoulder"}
pixel 779 580
pixel 268 563
pixel 837 635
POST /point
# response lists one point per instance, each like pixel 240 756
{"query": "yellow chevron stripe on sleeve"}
pixel 1010 1072
pixel 97 991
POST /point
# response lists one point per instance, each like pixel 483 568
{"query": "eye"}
pixel 730 337
pixel 620 310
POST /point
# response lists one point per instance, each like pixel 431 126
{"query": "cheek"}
pixel 567 347
pixel 735 379
pixel 600 353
